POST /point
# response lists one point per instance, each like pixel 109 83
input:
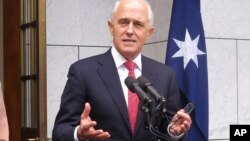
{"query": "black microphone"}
pixel 147 87
pixel 134 87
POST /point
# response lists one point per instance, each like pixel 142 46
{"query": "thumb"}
pixel 86 111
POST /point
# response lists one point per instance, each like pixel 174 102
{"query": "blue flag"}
pixel 186 54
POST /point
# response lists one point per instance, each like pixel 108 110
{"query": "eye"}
pixel 123 22
pixel 138 24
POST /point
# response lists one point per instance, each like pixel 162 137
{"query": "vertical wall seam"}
pixel 78 52
pixel 237 80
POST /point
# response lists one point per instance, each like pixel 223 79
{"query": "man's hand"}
pixel 86 128
pixel 180 123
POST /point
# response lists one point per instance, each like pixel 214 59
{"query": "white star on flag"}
pixel 188 49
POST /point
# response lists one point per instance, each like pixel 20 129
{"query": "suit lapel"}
pixel 109 75
pixel 147 70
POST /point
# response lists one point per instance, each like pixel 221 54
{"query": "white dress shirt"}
pixel 123 71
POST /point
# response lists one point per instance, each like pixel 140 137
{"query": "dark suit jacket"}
pixel 95 80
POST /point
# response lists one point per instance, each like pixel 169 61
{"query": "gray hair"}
pixel 150 12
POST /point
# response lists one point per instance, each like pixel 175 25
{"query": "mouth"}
pixel 129 40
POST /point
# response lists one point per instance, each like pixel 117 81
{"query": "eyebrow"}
pixel 134 20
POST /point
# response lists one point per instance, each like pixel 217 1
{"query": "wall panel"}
pixel 243 80
pixel 59 59
pixel 222 74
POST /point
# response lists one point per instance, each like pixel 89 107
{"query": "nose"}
pixel 130 29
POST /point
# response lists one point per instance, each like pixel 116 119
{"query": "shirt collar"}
pixel 120 60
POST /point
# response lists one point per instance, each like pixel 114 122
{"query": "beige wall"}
pixel 1 41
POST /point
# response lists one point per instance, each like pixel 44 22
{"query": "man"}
pixel 4 128
pixel 95 100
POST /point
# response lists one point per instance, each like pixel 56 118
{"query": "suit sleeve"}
pixel 72 104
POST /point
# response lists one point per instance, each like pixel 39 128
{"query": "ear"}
pixel 150 32
pixel 111 27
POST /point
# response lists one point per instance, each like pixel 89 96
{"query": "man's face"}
pixel 130 28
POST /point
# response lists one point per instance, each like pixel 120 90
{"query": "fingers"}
pixel 91 133
pixel 98 135
pixel 180 123
pixel 86 128
pixel 86 123
pixel 94 134
pixel 184 116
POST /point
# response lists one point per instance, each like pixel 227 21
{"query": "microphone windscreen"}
pixel 130 83
pixel 143 81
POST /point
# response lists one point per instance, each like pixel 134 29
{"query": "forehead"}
pixel 132 10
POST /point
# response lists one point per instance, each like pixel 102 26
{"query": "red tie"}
pixel 133 99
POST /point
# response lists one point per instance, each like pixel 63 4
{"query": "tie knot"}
pixel 130 65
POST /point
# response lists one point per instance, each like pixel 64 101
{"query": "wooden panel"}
pixel 42 70
pixel 12 65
